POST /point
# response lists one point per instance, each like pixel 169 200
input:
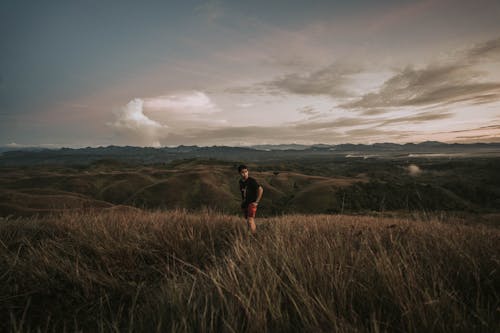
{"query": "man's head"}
pixel 243 170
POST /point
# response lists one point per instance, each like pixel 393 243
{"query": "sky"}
pixel 238 73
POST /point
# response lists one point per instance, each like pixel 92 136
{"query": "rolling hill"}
pixel 300 186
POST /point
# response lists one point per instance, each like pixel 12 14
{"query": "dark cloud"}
pixel 486 98
pixel 330 81
pixel 246 134
pixel 360 121
pixel 308 110
pixel 373 112
pixel 474 136
pixel 337 123
pixel 291 61
pixel 489 133
pixel 339 130
pixel 497 126
pixel 369 132
pixel 418 118
pixel 256 89
pixel 375 134
pixel 431 85
pixel 458 81
pixel 491 127
pixel 474 93
pixel 486 50
pixel 440 83
pixel 492 137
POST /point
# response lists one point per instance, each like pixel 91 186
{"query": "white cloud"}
pixel 15 145
pixel 136 127
pixel 132 116
pixel 193 102
pixel 143 121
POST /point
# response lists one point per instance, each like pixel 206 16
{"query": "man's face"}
pixel 244 174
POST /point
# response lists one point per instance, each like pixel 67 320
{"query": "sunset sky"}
pixel 166 73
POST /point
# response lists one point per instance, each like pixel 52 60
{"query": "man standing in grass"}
pixel 251 193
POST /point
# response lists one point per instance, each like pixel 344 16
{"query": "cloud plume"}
pixel 136 127
pixel 144 121
pixel 193 103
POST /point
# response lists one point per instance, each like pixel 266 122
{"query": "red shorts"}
pixel 250 211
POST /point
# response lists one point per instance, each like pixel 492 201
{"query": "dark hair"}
pixel 241 167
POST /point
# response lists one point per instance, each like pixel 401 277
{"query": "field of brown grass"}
pixel 172 271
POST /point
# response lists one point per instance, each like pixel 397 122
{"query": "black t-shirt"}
pixel 248 190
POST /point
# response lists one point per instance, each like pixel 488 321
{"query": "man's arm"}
pixel 260 191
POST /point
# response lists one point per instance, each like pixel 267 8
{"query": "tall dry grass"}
pixel 182 272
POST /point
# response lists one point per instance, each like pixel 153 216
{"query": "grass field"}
pixel 173 271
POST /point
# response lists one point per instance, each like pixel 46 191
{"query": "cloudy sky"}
pixel 166 73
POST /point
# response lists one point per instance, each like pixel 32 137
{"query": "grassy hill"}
pixel 131 270
pixel 300 186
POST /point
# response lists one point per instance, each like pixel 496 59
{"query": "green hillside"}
pixel 300 186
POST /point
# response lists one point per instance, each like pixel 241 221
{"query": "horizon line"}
pixel 14 146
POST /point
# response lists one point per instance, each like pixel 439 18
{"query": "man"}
pixel 251 193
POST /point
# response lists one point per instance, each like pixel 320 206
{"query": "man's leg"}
pixel 251 224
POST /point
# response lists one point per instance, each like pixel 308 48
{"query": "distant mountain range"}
pixel 385 146
pixel 10 156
